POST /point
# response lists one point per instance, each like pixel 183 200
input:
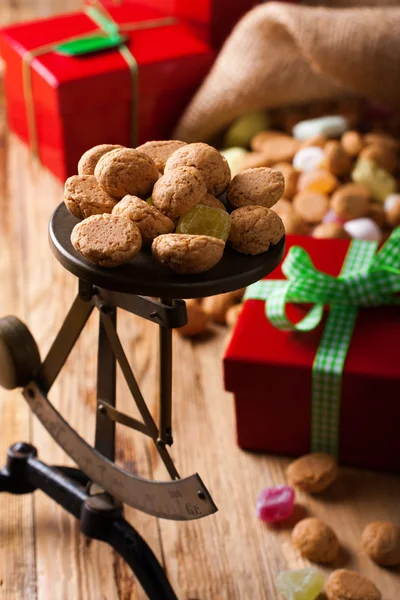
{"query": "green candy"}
pixel 379 182
pixel 150 201
pixel 204 220
pixel 244 128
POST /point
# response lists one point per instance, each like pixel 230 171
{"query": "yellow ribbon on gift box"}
pixel 98 14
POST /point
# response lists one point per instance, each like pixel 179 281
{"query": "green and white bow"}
pixel 366 279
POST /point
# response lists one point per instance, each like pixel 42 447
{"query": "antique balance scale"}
pixel 96 491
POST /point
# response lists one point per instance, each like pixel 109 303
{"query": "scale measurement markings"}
pixel 176 500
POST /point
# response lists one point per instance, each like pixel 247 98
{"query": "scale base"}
pixel 100 516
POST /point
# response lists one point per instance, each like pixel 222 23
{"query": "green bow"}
pixel 366 279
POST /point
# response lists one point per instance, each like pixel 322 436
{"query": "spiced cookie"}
pixel 352 143
pixel 260 186
pixel 313 473
pixel 275 148
pixel 311 206
pixel 254 229
pixel 331 231
pixel 381 541
pixel 150 221
pixel 316 541
pixel 291 177
pixel 384 156
pixel 160 151
pixel 107 240
pixel 188 254
pixel 350 201
pixel 178 190
pixel 349 585
pixel 197 320
pixel 336 160
pixel 126 171
pixel 211 164
pixel 89 160
pixel 84 197
pixel 212 202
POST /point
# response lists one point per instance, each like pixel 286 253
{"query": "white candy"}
pixel 391 202
pixel 308 159
pixel 363 229
pixel 234 156
pixel 333 126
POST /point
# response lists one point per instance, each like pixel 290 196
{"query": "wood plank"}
pixel 17 544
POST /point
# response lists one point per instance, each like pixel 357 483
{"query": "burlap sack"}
pixel 283 54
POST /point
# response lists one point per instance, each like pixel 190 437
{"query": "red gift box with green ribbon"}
pixel 119 75
pixel 314 361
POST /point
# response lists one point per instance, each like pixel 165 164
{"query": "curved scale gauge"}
pixel 180 500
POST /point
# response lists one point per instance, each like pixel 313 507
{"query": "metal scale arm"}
pixel 179 499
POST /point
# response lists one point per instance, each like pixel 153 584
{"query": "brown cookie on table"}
pixel 84 197
pixel 352 143
pixel 350 201
pixel 313 473
pixel 107 240
pixel 217 306
pixel 311 206
pixel 376 212
pixel 336 160
pixel 211 164
pixel 291 177
pixel 126 171
pixel 160 151
pixel 197 320
pixel 316 540
pixel 178 190
pixel 383 139
pixel 188 254
pixel 330 231
pixel 150 221
pixel 254 229
pixel 275 148
pixel 382 155
pixel 293 223
pixel 381 541
pixel 349 585
pixel 261 186
pixel 232 314
pixel 90 158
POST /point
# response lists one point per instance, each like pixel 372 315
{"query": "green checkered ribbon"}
pixel 367 279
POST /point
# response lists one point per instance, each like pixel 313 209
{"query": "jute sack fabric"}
pixel 283 54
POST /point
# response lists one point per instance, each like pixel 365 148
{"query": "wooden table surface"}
pixel 228 556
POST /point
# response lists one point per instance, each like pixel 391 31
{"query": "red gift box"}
pixel 82 101
pixel 270 373
pixel 213 20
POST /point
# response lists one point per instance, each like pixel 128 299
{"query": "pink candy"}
pixel 275 504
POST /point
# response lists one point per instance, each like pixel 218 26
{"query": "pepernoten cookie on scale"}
pixel 170 195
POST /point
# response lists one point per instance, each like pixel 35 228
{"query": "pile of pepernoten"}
pixel 318 542
pixel 173 197
pixel 340 182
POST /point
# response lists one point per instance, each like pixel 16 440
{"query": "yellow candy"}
pixel 317 181
pixel 379 182
pixel 235 157
pixel 244 128
pixel 303 584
